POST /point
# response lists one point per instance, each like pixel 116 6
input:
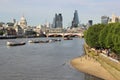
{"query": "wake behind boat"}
pixel 15 43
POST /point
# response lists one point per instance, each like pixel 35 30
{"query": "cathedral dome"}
pixel 23 22
pixel 22 18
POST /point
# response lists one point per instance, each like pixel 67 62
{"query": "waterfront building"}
pixel 43 29
pixel 57 21
pixel 10 31
pixel 9 24
pixel 75 21
pixel 18 29
pixel 2 24
pixel 104 19
pixel 38 30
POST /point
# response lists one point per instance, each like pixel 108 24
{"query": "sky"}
pixel 41 11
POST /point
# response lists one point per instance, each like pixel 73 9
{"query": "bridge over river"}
pixel 65 34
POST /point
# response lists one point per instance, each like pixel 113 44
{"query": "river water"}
pixel 41 61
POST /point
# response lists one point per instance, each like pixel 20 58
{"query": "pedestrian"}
pixel 108 52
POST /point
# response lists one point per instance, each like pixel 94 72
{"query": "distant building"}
pixel 9 24
pixel 104 19
pixel 55 30
pixel 18 29
pixel 114 19
pixel 38 30
pixel 10 31
pixel 2 24
pixel 90 22
pixel 23 22
pixel 57 21
pixel 14 21
pixel 75 21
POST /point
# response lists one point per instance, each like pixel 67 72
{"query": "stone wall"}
pixel 111 65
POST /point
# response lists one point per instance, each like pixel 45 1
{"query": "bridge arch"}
pixel 75 35
pixel 65 34
pixel 55 35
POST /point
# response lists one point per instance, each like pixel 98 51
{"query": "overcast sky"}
pixel 42 11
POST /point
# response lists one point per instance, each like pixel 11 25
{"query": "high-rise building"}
pixel 57 21
pixel 75 22
pixel 90 22
pixel 104 19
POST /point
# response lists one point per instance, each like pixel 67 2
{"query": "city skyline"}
pixel 41 11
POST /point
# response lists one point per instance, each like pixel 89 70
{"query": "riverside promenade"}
pixel 97 65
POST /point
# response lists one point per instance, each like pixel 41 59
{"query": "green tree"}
pixel 92 35
pixel 116 38
pixel 1 32
pixel 103 35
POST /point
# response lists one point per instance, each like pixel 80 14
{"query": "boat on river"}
pixel 38 41
pixel 15 43
pixel 54 40
pixel 68 38
pixel 44 41
pixel 34 41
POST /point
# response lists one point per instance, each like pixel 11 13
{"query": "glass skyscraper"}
pixel 75 22
pixel 57 21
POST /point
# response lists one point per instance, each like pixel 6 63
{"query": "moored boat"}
pixel 15 43
pixel 38 41
pixel 54 40
pixel 34 41
pixel 68 38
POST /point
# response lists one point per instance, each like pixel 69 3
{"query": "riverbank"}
pixel 91 66
pixel 97 64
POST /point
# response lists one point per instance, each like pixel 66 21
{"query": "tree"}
pixel 92 35
pixel 103 35
pixel 1 32
pixel 116 38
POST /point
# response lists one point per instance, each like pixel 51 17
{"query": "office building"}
pixel 75 21
pixel 90 22
pixel 104 19
pixel 57 21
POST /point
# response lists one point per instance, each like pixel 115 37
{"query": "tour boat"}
pixel 15 43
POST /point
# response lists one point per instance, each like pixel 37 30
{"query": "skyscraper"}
pixel 104 19
pixel 90 22
pixel 57 21
pixel 75 22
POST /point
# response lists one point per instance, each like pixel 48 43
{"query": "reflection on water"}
pixel 49 61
